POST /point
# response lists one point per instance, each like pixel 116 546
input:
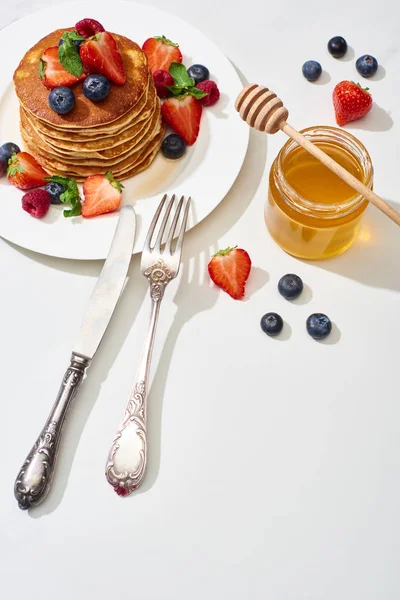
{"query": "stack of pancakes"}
pixel 122 133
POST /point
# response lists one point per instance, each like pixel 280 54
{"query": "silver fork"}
pixel 127 458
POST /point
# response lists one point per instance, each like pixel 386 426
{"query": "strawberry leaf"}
pixel 42 68
pixel 13 166
pixel 69 55
pixel 164 40
pixel 70 195
pixel 225 252
pixel 116 184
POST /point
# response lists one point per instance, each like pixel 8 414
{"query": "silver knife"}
pixel 36 474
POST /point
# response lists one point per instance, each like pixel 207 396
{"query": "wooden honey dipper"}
pixel 263 110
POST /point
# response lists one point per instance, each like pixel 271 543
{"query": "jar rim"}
pixel 343 139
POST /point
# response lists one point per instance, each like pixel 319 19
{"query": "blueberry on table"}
pixel 96 87
pixel 61 100
pixel 55 190
pixel 367 65
pixel 271 323
pixel 173 146
pixel 337 46
pixel 290 286
pixel 318 326
pixel 7 150
pixel 198 73
pixel 312 70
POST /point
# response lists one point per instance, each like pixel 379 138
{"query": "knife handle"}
pixel 36 474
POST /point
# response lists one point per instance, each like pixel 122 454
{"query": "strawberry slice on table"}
pixel 53 73
pixel 100 54
pixel 102 195
pixel 350 101
pixel 230 269
pixel 161 52
pixel 25 172
pixel 183 114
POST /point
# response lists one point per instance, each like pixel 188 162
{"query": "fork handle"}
pixel 126 463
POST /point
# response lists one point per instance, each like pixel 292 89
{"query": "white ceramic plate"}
pixel 206 173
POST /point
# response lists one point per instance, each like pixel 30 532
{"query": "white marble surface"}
pixel 274 464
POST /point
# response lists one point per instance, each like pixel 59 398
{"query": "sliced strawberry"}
pixel 25 172
pixel 102 195
pixel 230 269
pixel 53 73
pixel 183 114
pixel 161 53
pixel 100 54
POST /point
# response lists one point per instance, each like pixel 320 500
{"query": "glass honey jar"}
pixel 310 212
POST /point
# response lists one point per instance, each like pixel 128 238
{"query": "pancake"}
pixel 33 95
pixel 107 157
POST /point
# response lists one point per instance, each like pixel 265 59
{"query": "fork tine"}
pixel 173 225
pixel 154 223
pixel 158 242
pixel 179 244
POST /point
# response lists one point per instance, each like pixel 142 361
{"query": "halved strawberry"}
pixel 230 269
pixel 102 195
pixel 25 172
pixel 100 54
pixel 53 73
pixel 161 53
pixel 183 114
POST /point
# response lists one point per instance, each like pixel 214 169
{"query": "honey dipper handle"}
pixel 341 172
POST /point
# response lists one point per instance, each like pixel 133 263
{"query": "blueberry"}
pixel 3 167
pixel 318 326
pixel 173 146
pixel 290 286
pixel 337 46
pixel 96 87
pixel 312 70
pixel 55 190
pixel 198 73
pixel 271 323
pixel 7 150
pixel 77 43
pixel 367 65
pixel 61 100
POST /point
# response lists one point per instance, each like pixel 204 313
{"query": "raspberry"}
pixel 88 27
pixel 36 203
pixel 212 92
pixel 161 80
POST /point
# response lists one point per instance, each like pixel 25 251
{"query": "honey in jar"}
pixel 311 213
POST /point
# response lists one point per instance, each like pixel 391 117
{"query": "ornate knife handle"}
pixel 35 477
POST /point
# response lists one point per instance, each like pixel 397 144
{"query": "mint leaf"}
pixel 180 76
pixel 70 195
pixel 164 40
pixel 69 55
pixel 175 90
pixel 196 93
pixel 42 68
pixel 73 35
pixel 116 184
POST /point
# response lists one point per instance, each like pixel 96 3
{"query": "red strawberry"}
pixel 161 53
pixel 25 172
pixel 53 73
pixel 183 114
pixel 100 54
pixel 350 101
pixel 102 195
pixel 230 269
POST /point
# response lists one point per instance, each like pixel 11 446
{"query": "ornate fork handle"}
pixel 126 463
pixel 36 474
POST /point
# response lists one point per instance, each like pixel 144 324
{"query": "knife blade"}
pixel 36 474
